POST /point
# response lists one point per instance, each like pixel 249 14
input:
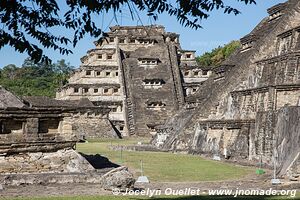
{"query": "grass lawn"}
pixel 166 167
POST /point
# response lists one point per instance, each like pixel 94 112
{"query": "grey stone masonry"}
pixel 249 108
pixel 140 73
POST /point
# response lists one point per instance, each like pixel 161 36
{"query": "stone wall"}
pixel 242 107
pixel 90 126
pixel 223 138
pixel 151 105
pixel 287 140
pixel 34 130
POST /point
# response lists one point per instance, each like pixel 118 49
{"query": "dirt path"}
pixel 250 182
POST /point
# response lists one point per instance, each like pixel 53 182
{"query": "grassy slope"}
pixel 164 167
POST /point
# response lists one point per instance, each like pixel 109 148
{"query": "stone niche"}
pixel 285 42
pixel 87 126
pixel 153 83
pixel 158 106
pixel 22 130
pixel 148 62
pixel 248 42
pixel 297 39
pixel 287 98
pixel 223 140
pixel 11 126
pixel 288 41
pixel 246 104
pixel 48 125
pixel 151 128
pixel 276 11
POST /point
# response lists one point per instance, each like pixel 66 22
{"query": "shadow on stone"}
pixel 99 162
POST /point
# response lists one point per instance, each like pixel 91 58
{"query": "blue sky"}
pixel 217 30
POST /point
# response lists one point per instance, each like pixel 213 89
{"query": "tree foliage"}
pixel 35 79
pixel 28 24
pixel 217 55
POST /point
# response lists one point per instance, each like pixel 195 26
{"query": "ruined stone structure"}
pixel 38 137
pixel 87 120
pixel 140 73
pixel 28 133
pixel 249 108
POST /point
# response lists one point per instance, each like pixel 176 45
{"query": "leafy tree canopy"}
pixel 27 24
pixel 217 55
pixel 35 79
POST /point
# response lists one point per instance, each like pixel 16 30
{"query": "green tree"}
pixel 40 69
pixel 23 20
pixel 9 71
pixel 218 55
pixel 62 71
pixel 35 79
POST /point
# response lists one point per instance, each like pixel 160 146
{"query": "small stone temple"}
pixel 26 133
pixel 38 137
pixel 88 121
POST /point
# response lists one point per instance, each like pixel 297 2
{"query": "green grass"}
pixel 126 141
pixel 167 167
pixel 163 167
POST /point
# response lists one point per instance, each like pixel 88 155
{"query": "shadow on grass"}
pixel 99 162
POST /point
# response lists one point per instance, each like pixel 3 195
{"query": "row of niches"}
pixel 13 126
pixel 251 103
pixel 96 91
pixel 104 56
pixel 275 15
pixel 115 108
pixel 191 105
pixel 276 11
pixel 190 90
pixel 247 42
pixel 279 72
pixel 260 101
pixel 153 83
pixel 156 105
pixel 195 74
pixel 288 41
pixel 107 58
pixel 102 73
pixel 127 40
pixel 247 45
pixel 145 62
pixel 132 40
